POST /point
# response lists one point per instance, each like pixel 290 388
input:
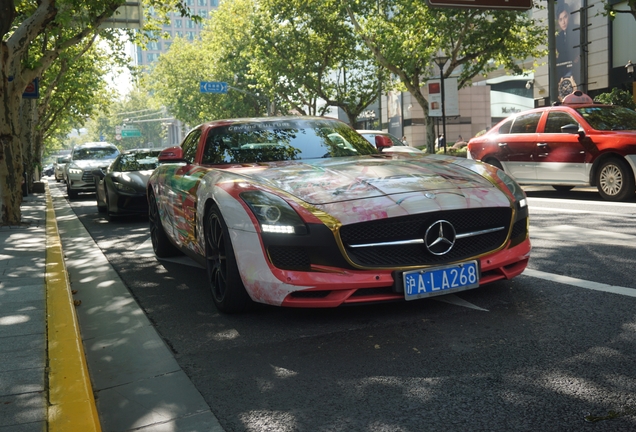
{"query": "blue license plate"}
pixel 440 280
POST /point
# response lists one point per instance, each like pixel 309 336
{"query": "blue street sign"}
pixel 213 87
pixel 32 90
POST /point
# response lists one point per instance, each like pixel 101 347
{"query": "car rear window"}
pixel 95 153
pixel 283 140
pixel 525 124
pixel 138 161
pixel 556 120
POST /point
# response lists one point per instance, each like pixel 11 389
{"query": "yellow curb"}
pixel 71 401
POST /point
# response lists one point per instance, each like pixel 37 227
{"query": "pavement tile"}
pixel 145 402
pixel 22 352
pixel 23 412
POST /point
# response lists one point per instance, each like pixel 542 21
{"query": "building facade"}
pixel 177 27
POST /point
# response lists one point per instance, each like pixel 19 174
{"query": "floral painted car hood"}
pixel 355 189
pixel 343 179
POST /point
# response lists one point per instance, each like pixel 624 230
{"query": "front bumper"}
pixel 81 182
pixel 324 287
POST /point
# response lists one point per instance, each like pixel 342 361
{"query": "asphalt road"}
pixel 551 350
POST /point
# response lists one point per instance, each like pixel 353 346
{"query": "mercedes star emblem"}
pixel 440 237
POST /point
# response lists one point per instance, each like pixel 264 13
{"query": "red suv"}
pixel 577 143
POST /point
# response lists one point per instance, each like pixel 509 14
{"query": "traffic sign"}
pixel 130 133
pixel 213 87
pixel 483 4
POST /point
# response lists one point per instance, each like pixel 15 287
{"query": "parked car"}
pixel 120 189
pixel 397 144
pixel 60 164
pixel 280 213
pixel 578 143
pixel 84 159
pixel 48 170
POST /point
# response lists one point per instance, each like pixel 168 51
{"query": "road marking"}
pixel 581 283
pixel 577 234
pixel 454 300
pixel 569 201
pixel 535 209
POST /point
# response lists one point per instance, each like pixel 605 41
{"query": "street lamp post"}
pixel 629 67
pixel 441 60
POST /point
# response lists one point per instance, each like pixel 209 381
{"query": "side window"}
pixel 216 150
pixel 505 128
pixel 190 144
pixel 526 124
pixel 556 120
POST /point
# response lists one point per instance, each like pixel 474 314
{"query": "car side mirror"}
pixel 171 154
pixel 573 129
pixel 382 142
pixel 98 173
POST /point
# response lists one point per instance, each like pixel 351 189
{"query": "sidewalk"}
pixel 135 382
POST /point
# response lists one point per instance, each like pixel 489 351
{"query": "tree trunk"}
pixel 11 169
pixel 10 179
pixel 28 112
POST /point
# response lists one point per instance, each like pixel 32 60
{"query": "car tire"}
pixel 69 192
pixel 615 180
pixel 562 188
pixel 110 216
pixel 228 292
pixel 100 207
pixel 160 242
pixel 495 163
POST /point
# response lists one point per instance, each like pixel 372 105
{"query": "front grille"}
pixel 87 176
pixel 414 227
pixel 290 258
pixel 519 232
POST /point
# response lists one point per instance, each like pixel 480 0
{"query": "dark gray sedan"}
pixel 121 188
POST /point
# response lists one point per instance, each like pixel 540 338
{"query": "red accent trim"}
pixel 505 264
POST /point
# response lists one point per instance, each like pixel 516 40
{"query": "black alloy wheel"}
pixel 111 216
pixel 160 243
pixel 69 192
pixel 228 291
pixel 100 207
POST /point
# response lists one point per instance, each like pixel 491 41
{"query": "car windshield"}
pixel 95 153
pixel 139 161
pixel 608 118
pixel 286 139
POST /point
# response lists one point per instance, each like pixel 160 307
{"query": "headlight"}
pixel 75 171
pixel 273 213
pixel 514 188
pixel 124 187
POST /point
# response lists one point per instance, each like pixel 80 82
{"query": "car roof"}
pixel 94 144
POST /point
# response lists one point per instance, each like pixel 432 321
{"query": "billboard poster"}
pixel 451 97
pixel 394 112
pixel 568 50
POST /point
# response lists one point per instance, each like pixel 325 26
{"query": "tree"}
pixel 176 79
pixel 617 97
pixel 405 35
pixel 305 50
pixel 73 89
pixel 55 25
